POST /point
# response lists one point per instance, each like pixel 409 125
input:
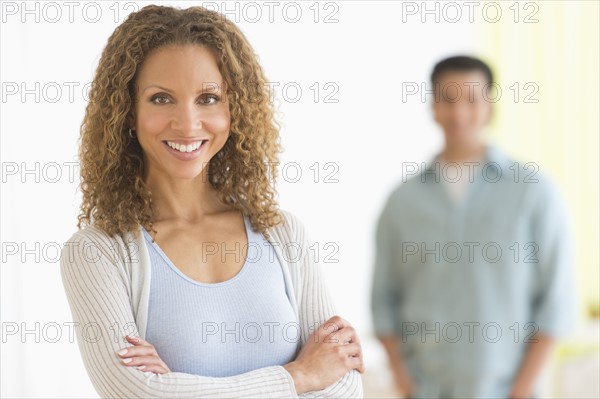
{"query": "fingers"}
pixel 147 361
pixel 352 335
pixel 137 351
pixel 351 355
pixel 345 335
pixel 337 330
pixel 136 340
pixel 355 360
pixel 337 321
pixel 332 325
pixel 156 369
pixel 142 355
pixel 352 350
pixel 141 346
pixel 357 364
pixel 139 360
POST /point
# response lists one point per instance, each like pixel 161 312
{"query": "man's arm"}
pixel 535 358
pixel 385 297
pixel 402 379
pixel 385 300
pixel 554 303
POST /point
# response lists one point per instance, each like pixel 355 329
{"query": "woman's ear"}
pixel 130 120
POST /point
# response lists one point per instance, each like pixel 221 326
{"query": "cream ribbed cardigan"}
pixel 107 284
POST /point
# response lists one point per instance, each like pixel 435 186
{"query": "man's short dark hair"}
pixel 461 63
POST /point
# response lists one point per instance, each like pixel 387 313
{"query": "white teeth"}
pixel 185 148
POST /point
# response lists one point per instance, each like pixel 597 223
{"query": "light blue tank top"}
pixel 226 328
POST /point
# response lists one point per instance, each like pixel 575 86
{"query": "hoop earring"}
pixel 131 133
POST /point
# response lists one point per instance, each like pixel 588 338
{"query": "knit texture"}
pixel 107 284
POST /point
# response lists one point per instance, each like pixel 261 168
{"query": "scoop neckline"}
pixel 171 265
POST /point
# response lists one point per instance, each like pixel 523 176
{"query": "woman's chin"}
pixel 187 173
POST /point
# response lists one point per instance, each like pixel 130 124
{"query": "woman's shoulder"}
pixel 291 229
pixel 91 243
pixel 291 219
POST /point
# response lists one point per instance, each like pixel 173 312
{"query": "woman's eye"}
pixel 206 99
pixel 159 99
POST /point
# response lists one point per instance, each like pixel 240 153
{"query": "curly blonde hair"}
pixel 115 196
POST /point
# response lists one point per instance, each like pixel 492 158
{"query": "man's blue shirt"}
pixel 466 285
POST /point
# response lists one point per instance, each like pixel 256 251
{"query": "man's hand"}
pixel 537 353
pixel 402 379
pixel 403 382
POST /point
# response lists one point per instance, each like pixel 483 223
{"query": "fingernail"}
pixel 127 360
pixel 122 352
pixel 141 367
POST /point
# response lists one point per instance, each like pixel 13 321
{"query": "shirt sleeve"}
pixel 316 307
pixel 554 302
pixel 384 293
pixel 100 303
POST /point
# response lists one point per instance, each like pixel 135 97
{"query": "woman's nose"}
pixel 188 118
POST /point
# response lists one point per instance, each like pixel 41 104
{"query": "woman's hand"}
pixel 143 355
pixel 328 354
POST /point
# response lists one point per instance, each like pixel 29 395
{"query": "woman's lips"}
pixel 186 156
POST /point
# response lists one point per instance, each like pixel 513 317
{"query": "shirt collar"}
pixel 494 159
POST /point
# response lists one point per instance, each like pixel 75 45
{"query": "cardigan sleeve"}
pixel 316 306
pixel 100 302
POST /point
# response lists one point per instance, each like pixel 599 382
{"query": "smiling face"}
pixel 462 108
pixel 181 103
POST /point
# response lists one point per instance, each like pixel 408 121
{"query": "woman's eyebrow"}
pixel 209 86
pixel 157 86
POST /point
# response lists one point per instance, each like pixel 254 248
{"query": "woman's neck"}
pixel 186 200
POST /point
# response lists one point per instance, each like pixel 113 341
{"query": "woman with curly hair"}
pixel 184 278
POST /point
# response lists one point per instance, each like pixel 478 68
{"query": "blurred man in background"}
pixel 472 281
